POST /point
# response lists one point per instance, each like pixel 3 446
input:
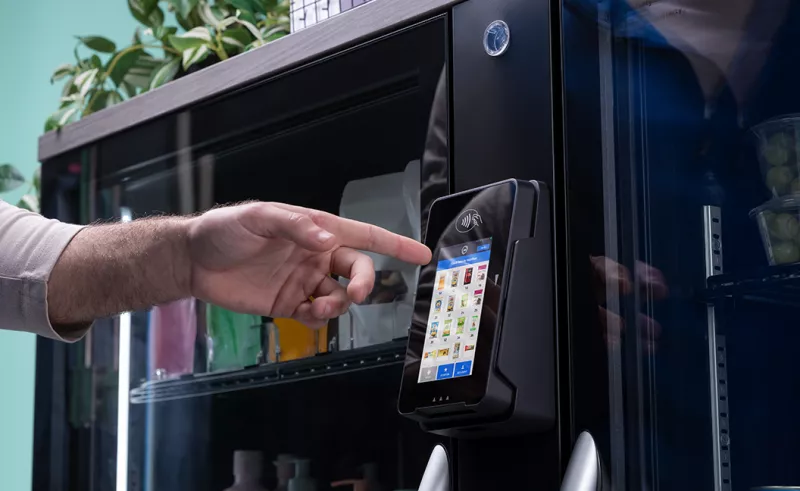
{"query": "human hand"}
pixel 275 260
pixel 609 273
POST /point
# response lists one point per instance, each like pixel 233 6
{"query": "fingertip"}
pixel 427 255
pixel 420 254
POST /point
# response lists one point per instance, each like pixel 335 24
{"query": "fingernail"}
pixel 326 311
pixel 324 236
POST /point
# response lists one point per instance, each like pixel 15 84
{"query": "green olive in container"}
pixel 779 223
pixel 778 143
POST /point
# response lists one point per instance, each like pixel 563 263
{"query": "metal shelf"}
pixel 775 284
pixel 324 365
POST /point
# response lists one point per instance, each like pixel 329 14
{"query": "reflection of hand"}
pixel 609 273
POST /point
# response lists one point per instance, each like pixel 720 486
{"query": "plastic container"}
pixel 778 145
pixel 302 480
pixel 779 223
pixel 247 471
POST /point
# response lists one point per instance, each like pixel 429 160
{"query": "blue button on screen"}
pixel 445 371
pixel 484 247
pixel 463 368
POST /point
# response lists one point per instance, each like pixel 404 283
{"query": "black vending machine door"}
pixel 681 182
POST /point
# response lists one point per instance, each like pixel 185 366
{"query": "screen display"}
pixel 455 314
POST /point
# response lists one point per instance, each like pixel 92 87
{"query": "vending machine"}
pixel 610 192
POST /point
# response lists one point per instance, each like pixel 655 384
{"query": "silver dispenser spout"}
pixel 437 472
pixel 583 471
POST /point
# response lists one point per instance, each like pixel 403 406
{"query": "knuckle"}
pixel 316 216
pixel 371 236
pixel 295 218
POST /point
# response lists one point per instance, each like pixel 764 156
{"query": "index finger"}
pixel 367 237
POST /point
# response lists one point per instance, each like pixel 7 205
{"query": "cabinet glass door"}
pixel 683 164
pixel 192 396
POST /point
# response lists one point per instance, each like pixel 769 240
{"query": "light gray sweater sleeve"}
pixel 30 246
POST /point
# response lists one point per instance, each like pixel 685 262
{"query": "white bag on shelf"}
pixel 390 201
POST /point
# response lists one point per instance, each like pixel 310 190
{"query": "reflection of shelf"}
pixel 776 284
pixel 324 365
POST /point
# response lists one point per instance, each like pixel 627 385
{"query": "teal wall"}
pixel 36 36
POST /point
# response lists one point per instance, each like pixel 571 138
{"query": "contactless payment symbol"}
pixel 468 220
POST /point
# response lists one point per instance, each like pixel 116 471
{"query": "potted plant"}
pixel 200 33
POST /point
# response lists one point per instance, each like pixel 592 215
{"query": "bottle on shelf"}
pixel 247 471
pixel 302 480
pixel 284 468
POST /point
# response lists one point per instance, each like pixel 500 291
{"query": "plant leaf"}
pixel 37 180
pixel 69 100
pixel 29 202
pixel 253 29
pixel 128 89
pixel 195 55
pixel 227 22
pixel 113 98
pixel 10 178
pixel 199 36
pixel 69 88
pixel 138 78
pixel 62 71
pixel 207 15
pixel 268 5
pixel 185 22
pixel 166 73
pixel 98 43
pixel 85 80
pixel 247 17
pixel 220 12
pixel 183 7
pixel 146 12
pixel 156 17
pixel 243 5
pixel 164 32
pixel 137 35
pixel 141 72
pixel 104 99
pixel 276 32
pixel 238 37
pixel 121 62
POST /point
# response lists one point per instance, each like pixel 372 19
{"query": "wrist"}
pixel 181 263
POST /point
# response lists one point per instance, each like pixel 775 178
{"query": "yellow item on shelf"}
pixel 297 341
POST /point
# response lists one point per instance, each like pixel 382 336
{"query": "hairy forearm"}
pixel 108 269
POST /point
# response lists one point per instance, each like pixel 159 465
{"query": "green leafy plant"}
pixel 11 179
pixel 205 32
pixel 103 74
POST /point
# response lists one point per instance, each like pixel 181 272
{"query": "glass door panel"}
pixel 682 159
pixel 197 390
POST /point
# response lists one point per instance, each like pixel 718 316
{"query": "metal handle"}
pixel 437 472
pixel 583 471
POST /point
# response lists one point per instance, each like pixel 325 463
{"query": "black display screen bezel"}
pixel 494 204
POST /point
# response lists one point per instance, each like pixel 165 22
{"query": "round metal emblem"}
pixel 496 38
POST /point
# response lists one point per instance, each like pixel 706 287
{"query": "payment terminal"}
pixel 481 347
